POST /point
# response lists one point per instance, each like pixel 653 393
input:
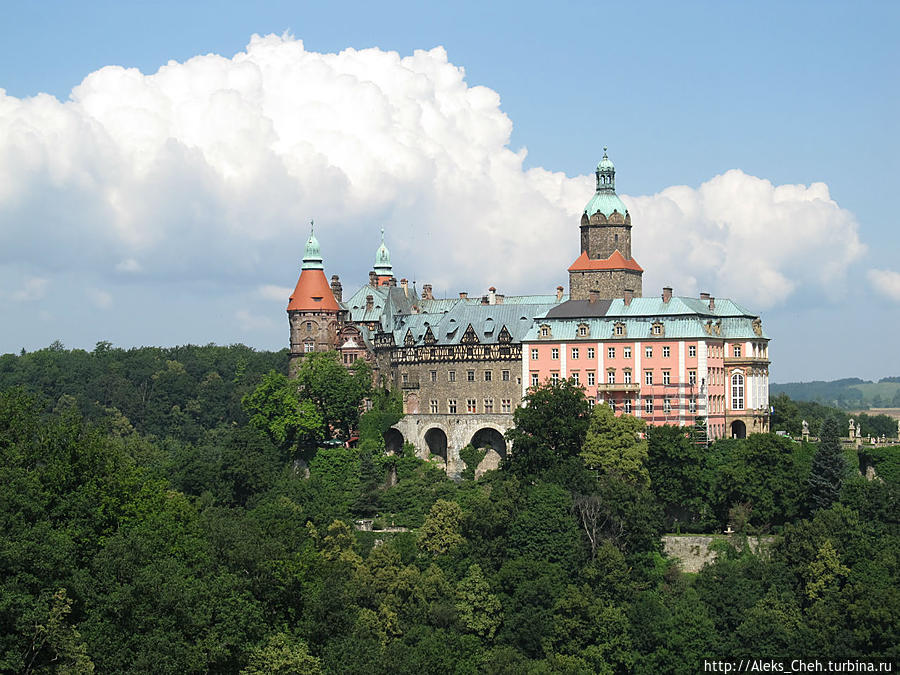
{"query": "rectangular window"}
pixel 692 406
pixel 648 377
pixel 737 392
pixel 534 379
pixel 470 405
pixel 591 403
pixel 610 352
pixel 405 378
pixel 575 379
pixel 504 375
pixel 667 377
pixel 620 329
pixel 648 352
pixel 554 353
pixel 627 375
pixel 591 378
pixel 627 406
pixel 487 376
pixel 488 405
pixel 451 406
pixel 574 352
pixel 648 405
pixel 736 350
pixel 610 377
pixel 470 375
pixel 666 352
pixel 554 378
pixel 667 406
pixel 627 352
pixel 308 347
pixel 434 376
pixel 451 376
pixel 505 405
pixel 692 350
pixel 534 354
pixel 590 352
pixel 434 407
pixel 692 377
pixel 308 326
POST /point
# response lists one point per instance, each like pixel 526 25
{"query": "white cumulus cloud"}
pixel 207 171
pixel 886 282
pixel 32 289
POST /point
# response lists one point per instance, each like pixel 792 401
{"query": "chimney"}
pixel 500 299
pixel 370 302
pixel 704 296
pixel 392 281
pixel 404 285
pixel 559 293
pixel 372 278
pixel 595 295
pixel 629 294
pixel 426 292
pixel 336 288
pixel 492 296
pixel 712 302
pixel 667 293
pixel 484 300
pixel 463 295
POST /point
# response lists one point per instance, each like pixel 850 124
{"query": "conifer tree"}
pixel 828 468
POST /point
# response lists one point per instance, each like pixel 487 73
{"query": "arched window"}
pixel 737 392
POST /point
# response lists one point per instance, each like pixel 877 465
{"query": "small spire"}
pixel 312 256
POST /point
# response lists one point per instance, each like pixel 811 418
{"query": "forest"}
pixel 191 509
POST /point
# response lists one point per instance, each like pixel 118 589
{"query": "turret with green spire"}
pixel 312 256
pixel 383 267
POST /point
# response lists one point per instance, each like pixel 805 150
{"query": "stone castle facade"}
pixel 463 364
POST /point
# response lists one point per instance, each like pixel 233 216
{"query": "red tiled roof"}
pixel 614 262
pixel 313 293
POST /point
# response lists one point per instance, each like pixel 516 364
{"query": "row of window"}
pixel 648 405
pixel 488 376
pixel 611 377
pixel 471 406
pixel 611 352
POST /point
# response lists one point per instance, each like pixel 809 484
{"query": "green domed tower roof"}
pixel 312 256
pixel 383 259
pixel 605 199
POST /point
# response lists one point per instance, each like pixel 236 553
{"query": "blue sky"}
pixel 779 118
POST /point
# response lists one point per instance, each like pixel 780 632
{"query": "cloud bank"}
pixel 205 173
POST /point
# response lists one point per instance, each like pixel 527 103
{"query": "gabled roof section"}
pixel 614 262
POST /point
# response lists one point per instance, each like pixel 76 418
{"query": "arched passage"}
pixel 492 441
pixel 393 441
pixel 436 440
pixel 738 429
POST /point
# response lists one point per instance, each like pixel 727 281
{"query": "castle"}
pixel 463 364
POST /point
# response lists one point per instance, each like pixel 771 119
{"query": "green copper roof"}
pixel 605 199
pixel 383 259
pixel 312 257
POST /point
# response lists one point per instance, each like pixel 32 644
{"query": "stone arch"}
pixel 492 439
pixel 436 440
pixel 393 441
pixel 738 429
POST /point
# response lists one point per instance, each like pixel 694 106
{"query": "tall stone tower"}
pixel 605 264
pixel 313 312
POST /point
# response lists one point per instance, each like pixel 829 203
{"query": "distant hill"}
pixel 849 393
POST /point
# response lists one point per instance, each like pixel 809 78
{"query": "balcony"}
pixel 619 386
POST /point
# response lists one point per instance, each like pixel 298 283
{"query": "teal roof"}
pixel 681 317
pixel 312 256
pixel 606 203
pixel 383 259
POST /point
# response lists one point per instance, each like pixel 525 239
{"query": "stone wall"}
pixel 600 241
pixel 610 283
pixel 693 551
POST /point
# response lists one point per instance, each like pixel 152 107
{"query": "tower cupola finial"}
pixel 606 174
pixel 382 265
pixel 312 255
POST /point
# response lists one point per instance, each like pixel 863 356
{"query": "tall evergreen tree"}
pixel 828 468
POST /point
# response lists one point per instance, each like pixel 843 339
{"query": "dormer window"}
pixel 545 330
pixel 657 329
pixel 619 329
pixel 582 330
